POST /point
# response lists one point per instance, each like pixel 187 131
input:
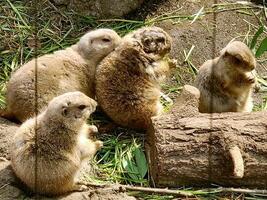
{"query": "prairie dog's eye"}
pixel 147 41
pixel 106 40
pixel 81 107
pixel 161 39
pixel 64 111
pixel 237 61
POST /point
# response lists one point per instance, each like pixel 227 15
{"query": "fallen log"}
pixel 188 148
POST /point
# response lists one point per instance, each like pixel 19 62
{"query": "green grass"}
pixel 122 158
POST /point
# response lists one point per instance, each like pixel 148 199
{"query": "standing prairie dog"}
pixel 127 80
pixel 226 82
pixel 72 69
pixel 62 144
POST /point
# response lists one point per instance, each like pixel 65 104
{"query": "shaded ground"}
pixel 11 189
pixel 235 21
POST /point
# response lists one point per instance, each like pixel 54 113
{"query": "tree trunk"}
pixel 188 148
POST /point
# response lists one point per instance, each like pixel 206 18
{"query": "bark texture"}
pixel 189 148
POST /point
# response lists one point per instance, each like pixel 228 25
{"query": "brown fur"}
pixel 72 69
pixel 62 144
pixel 226 82
pixel 127 80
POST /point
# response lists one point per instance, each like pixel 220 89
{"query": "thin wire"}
pixel 212 91
pixel 35 30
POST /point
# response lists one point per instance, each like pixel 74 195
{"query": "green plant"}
pixel 258 45
pixel 262 47
pixel 122 160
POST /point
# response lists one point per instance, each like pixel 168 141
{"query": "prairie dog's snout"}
pixel 154 42
pixel 153 39
pixel 83 111
pixel 98 43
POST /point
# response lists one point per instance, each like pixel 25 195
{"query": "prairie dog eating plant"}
pixel 62 144
pixel 226 82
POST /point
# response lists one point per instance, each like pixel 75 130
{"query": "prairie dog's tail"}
pixel 8 115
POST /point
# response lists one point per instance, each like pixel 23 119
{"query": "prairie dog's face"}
pixel 71 108
pixel 98 43
pixel 238 56
pixel 154 40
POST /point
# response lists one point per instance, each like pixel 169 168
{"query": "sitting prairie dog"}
pixel 127 80
pixel 226 82
pixel 72 69
pixel 62 144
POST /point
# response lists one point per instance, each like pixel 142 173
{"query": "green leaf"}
pixel 262 48
pixel 131 169
pixel 141 162
pixel 255 38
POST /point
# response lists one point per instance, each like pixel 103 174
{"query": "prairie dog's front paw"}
pixel 172 63
pixel 98 144
pixel 93 129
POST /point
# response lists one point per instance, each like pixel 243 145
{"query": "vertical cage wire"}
pixel 214 34
pixel 35 32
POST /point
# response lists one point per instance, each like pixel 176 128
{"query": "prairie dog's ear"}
pixel 64 111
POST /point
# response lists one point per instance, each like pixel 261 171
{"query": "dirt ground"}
pixel 230 24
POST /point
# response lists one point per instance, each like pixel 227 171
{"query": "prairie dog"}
pixel 226 82
pixel 127 80
pixel 62 144
pixel 72 69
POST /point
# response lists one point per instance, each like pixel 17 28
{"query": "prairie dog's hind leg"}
pixel 79 186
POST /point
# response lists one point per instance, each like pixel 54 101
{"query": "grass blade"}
pixel 197 15
pixel 255 37
pixel 262 48
pixel 17 12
